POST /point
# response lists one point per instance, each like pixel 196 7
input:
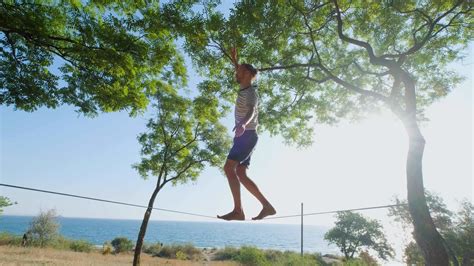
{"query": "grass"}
pixel 13 255
pixel 62 251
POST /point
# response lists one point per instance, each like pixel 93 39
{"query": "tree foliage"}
pixel 5 202
pixel 326 60
pixel 98 56
pixel 183 136
pixel 44 228
pixel 353 232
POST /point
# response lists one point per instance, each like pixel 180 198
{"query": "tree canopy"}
pixel 326 60
pixel 5 202
pixel 353 232
pixel 183 136
pixel 98 56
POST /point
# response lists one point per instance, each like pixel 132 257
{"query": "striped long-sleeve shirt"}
pixel 247 99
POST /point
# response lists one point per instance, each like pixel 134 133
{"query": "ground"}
pixel 10 255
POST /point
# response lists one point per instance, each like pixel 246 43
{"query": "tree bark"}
pixel 427 237
pixel 141 234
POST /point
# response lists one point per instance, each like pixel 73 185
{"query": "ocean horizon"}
pixel 199 233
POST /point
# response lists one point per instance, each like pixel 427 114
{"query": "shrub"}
pixel 228 253
pixel 81 246
pixel 152 249
pixel 252 256
pixel 367 259
pixel 107 248
pixel 122 244
pixel 180 255
pixel 10 239
pixel 189 250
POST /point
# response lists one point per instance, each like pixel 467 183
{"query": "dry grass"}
pixel 10 255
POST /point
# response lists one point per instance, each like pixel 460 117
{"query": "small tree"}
pixel 44 227
pixel 181 138
pixel 354 232
pixel 5 202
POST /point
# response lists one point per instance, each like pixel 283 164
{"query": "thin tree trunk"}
pixel 141 234
pixel 425 233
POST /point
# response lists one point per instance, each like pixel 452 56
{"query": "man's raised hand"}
pixel 233 55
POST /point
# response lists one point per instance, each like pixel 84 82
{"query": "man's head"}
pixel 245 73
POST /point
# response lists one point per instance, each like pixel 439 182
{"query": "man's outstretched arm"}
pixel 234 57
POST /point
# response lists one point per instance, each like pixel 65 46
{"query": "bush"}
pixel 228 253
pixel 255 256
pixel 251 256
pixel 107 248
pixel 367 259
pixel 122 244
pixel 188 250
pixel 59 242
pixel 152 249
pixel 181 255
pixel 289 258
pixel 10 239
pixel 81 246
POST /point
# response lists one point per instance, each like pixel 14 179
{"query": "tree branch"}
pixel 354 88
pixel 188 143
pixel 191 163
pixel 419 45
pixel 373 58
pixel 286 67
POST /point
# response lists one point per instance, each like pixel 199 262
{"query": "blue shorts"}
pixel 243 147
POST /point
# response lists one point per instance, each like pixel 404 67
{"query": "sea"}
pixel 200 234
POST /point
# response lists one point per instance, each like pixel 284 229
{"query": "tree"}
pixel 5 202
pixel 457 229
pixel 354 232
pixel 327 60
pixel 44 227
pixel 181 139
pixel 98 56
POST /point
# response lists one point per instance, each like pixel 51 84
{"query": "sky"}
pixel 350 165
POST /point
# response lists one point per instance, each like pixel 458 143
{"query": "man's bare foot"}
pixel 233 215
pixel 266 211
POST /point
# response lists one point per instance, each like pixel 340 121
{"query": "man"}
pixel 238 160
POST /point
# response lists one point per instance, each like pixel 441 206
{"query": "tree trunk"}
pixel 141 234
pixel 425 233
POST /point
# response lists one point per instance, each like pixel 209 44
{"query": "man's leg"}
pixel 234 183
pixel 252 188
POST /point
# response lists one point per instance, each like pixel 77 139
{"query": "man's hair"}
pixel 250 68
